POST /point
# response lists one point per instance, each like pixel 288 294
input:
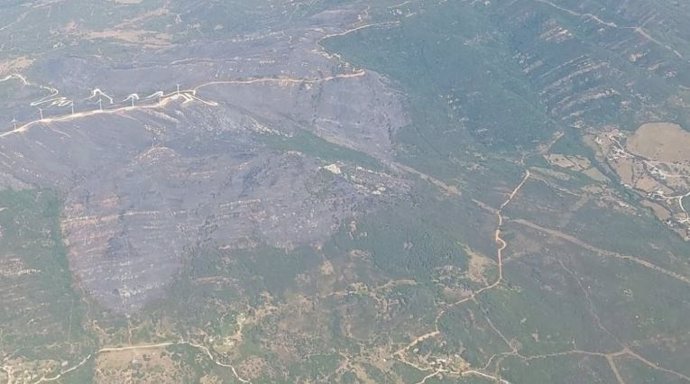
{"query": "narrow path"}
pixel 637 29
pixel 137 347
pixel 501 246
pixel 484 375
pixel 590 305
pixel 203 348
pixel 614 369
pixel 8 371
pixel 62 373
pixel 429 376
pixel 281 80
pixel 210 356
pixel 656 366
pixel 578 14
pixel 497 234
pixel 610 358
pixel 186 96
pixel 682 207
pixel 416 341
pixel 445 188
pixel 140 347
pixel 599 251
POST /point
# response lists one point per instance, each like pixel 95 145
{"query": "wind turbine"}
pixel 71 104
pixel 100 104
pixel 40 112
pixel 178 89
pixel 133 97
pixel 100 94
pixel 157 94
pixel 14 122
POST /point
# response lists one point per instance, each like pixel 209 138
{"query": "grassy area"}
pixel 458 93
pixel 481 90
pixel 45 317
pixel 312 145
pixel 406 240
pixel 468 333
pixel 565 369
pixel 636 371
pixel 639 235
pixel 542 204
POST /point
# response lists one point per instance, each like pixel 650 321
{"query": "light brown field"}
pixel 647 184
pixel 625 170
pixel 595 174
pixel 14 65
pixel 478 264
pixel 576 163
pixel 661 141
pixel 145 38
pixel 659 211
pixel 120 366
pixel 253 367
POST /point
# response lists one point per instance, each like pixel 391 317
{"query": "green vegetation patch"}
pixel 311 144
pixel 639 234
pixel 43 316
pixel 541 309
pixel 635 371
pixel 468 333
pixel 560 369
pixel 460 82
pixel 405 240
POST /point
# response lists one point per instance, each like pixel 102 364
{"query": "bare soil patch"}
pixel 139 37
pixel 478 264
pixel 665 142
pixel 118 366
pixel 15 65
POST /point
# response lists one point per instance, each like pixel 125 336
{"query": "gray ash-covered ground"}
pixel 343 191
pixel 244 163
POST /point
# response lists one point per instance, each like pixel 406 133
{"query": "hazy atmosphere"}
pixel 345 191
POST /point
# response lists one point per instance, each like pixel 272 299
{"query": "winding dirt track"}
pixel 514 352
pixel 189 95
pixel 501 246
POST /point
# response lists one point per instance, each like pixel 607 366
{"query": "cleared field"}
pixel 666 142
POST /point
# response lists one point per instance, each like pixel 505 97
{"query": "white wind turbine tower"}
pixel 158 95
pixel 133 97
pixel 101 95
pixel 14 122
pixel 40 112
pixel 100 104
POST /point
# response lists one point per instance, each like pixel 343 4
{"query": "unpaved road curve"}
pixel 185 95
pixel 501 246
pixel 62 373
